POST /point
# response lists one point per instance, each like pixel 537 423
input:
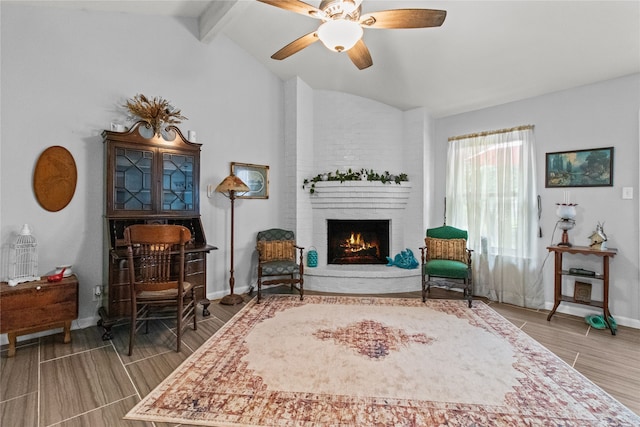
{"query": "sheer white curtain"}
pixel 491 192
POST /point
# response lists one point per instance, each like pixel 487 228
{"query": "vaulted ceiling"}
pixel 486 52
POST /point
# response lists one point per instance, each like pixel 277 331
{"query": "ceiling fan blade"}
pixel 360 55
pixel 404 18
pixel 296 46
pixel 296 6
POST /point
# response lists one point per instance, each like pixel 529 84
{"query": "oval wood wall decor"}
pixel 54 178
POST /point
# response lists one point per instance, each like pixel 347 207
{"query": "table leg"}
pixel 557 284
pixel 12 337
pixel 605 296
pixel 67 331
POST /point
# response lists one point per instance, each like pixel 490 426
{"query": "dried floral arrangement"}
pixel 156 111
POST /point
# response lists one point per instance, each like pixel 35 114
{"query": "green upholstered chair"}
pixel 446 256
pixel 277 262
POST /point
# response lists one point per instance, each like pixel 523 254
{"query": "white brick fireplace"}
pixel 327 131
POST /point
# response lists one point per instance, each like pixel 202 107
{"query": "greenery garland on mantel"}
pixel 350 175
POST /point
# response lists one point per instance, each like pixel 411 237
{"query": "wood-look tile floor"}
pixel 91 382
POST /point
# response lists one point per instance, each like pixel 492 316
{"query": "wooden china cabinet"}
pixel 149 179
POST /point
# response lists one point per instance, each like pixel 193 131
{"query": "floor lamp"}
pixel 229 187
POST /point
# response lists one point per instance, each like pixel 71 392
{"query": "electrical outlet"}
pixel 97 292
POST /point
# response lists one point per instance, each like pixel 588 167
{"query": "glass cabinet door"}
pixel 177 182
pixel 133 180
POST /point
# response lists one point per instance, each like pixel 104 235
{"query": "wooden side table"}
pixel 604 277
pixel 37 306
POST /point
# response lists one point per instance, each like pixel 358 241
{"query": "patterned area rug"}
pixel 360 361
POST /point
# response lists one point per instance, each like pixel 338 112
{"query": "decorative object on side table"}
pixel 598 238
pixel 229 187
pixel 56 277
pixel 23 262
pixel 566 212
pixel 65 269
pixel 61 272
pixel 156 112
pixel 582 292
pixel 582 272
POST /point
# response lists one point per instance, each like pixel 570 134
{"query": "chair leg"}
pixel 259 289
pixel 426 287
pixel 193 302
pixel 132 328
pixel 179 324
pixel 301 288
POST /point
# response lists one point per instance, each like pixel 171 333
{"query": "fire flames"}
pixel 356 244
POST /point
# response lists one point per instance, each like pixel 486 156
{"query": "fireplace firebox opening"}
pixel 357 241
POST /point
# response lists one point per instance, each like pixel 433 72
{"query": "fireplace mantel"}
pixel 360 194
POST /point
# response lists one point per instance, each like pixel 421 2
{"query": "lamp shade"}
pixel 340 35
pixel 232 183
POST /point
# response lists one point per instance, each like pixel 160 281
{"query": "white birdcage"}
pixel 23 264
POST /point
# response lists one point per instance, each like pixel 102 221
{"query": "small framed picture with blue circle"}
pixel 255 176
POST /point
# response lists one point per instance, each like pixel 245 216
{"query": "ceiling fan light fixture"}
pixel 340 35
pixel 350 5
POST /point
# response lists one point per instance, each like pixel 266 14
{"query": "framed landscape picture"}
pixel 255 176
pixel 581 168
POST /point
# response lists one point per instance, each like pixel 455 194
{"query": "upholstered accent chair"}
pixel 277 263
pixel 156 260
pixel 446 256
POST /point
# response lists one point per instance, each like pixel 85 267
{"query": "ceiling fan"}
pixel 343 24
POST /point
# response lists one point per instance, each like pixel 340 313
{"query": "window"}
pixel 491 192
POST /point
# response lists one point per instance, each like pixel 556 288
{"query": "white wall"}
pixel 355 132
pixel 593 116
pixel 65 75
